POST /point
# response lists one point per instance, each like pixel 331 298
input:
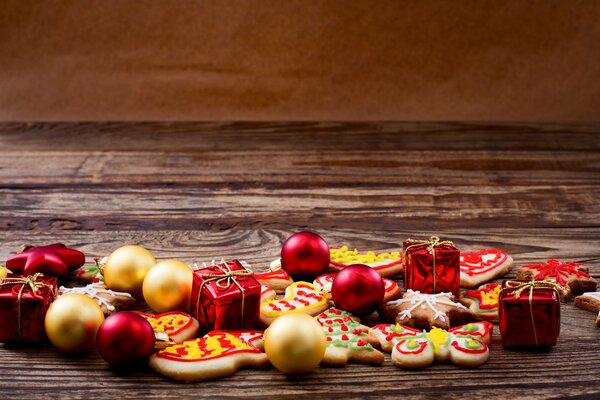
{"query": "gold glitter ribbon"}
pixel 430 245
pixel 26 282
pixel 517 288
pixel 223 281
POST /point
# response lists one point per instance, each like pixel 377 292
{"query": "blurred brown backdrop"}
pixel 298 60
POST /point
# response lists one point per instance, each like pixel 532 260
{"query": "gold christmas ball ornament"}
pixel 126 269
pixel 168 286
pixel 72 321
pixel 295 343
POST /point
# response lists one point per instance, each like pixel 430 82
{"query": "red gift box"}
pixel 24 301
pixel 431 266
pixel 225 297
pixel 529 313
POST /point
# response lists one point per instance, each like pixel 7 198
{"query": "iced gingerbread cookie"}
pixel 572 276
pixel 216 355
pixel 347 340
pixel 177 325
pixel 276 278
pixel 483 301
pixel 590 301
pixel 266 293
pixel 92 272
pixel 423 311
pixel 482 266
pixel 109 301
pixel 386 264
pixel 392 290
pixel 465 346
pixel 300 297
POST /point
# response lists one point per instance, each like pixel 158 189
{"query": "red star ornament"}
pixel 52 260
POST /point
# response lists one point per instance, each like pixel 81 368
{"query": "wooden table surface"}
pixel 198 191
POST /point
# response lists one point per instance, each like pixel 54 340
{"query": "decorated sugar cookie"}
pixel 483 301
pixel 482 266
pixel 423 311
pixel 300 297
pixel 216 355
pixel 179 326
pixel 276 278
pixel 109 301
pixel 590 301
pixel 392 290
pixel 266 293
pixel 347 340
pixel 572 276
pixel 386 264
pixel 91 272
pixel 465 346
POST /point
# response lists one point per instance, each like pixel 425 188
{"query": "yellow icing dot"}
pixel 3 272
pixel 438 337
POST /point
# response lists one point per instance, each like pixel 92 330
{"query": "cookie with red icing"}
pixel 423 311
pixel 216 355
pixel 300 297
pixel 276 277
pixel 482 266
pixel 590 301
pixel 179 326
pixel 572 276
pixel 347 340
pixel 483 301
pixel 385 263
pixel 465 346
pixel 266 293
pixel 392 289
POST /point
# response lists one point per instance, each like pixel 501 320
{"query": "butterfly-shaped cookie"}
pixel 465 346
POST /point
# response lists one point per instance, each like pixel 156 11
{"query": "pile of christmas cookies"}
pixel 208 321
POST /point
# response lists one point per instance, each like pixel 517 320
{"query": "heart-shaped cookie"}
pixel 482 266
pixel 179 326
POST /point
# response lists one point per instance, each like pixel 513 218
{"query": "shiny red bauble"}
pixel 124 338
pixel 305 255
pixel 358 289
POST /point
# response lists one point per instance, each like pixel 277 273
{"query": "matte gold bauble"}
pixel 295 343
pixel 168 286
pixel 126 269
pixel 72 321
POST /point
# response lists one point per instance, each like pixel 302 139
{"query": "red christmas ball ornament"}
pixel 305 255
pixel 358 289
pixel 125 337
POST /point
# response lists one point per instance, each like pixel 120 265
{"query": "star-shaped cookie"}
pixel 423 311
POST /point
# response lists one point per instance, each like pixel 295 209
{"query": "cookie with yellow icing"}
pixel 465 346
pixel 483 301
pixel 179 326
pixel 216 355
pixel 385 263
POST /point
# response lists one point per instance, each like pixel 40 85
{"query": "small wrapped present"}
pixel 431 266
pixel 529 313
pixel 24 301
pixel 225 297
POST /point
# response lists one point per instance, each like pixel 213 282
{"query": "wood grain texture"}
pixel 198 191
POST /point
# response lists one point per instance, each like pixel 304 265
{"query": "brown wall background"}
pixel 298 60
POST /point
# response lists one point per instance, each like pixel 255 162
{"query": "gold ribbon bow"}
pixel 26 282
pixel 517 288
pixel 430 245
pixel 223 281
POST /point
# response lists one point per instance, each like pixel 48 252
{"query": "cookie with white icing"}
pixel 590 301
pixel 423 311
pixel 109 301
pixel 482 266
pixel 300 297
